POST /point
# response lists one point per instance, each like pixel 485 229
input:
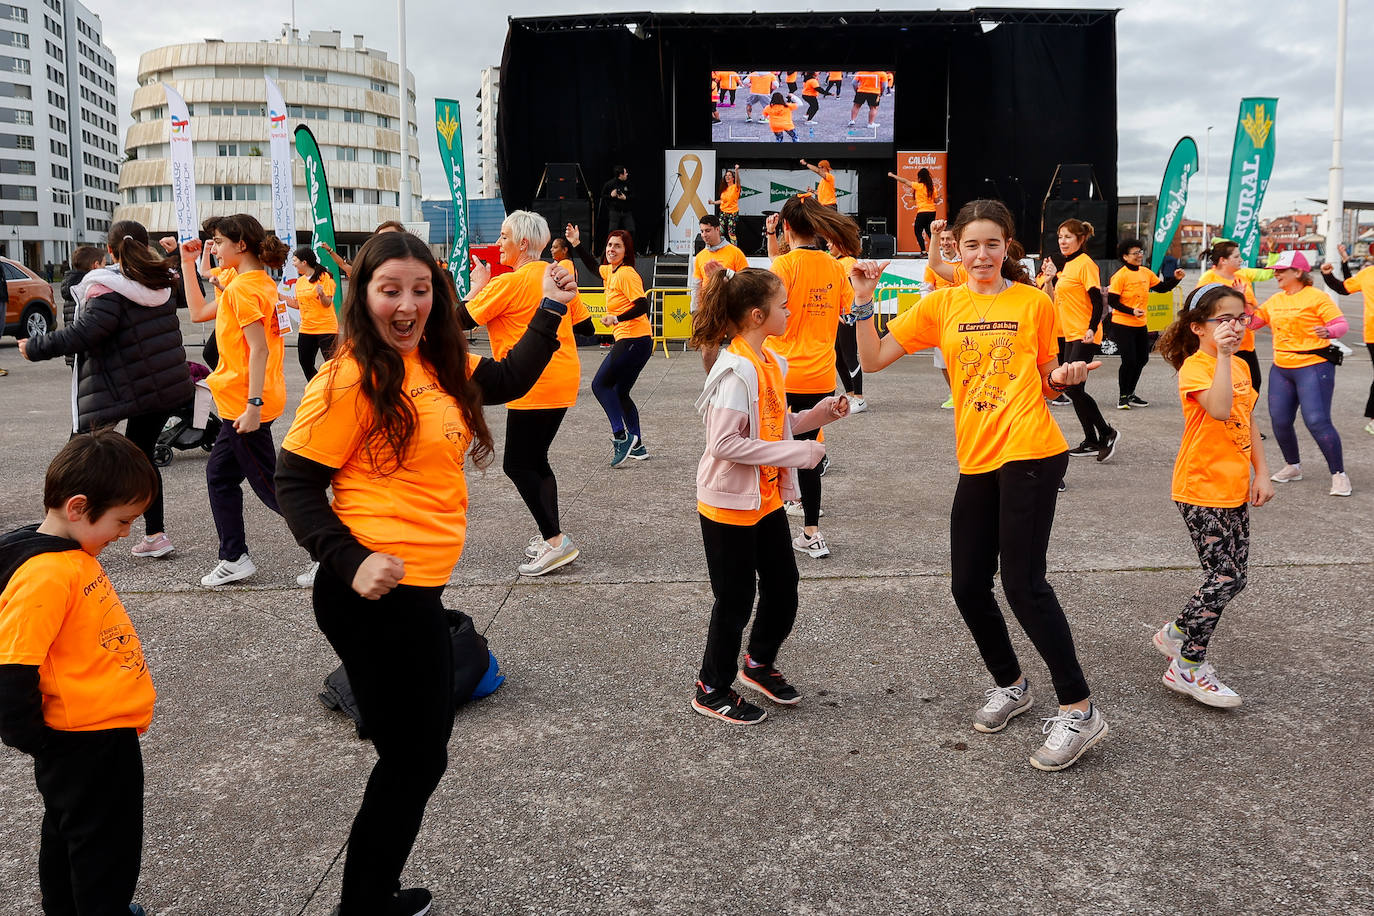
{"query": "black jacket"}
pixel 130 359
pixel 69 282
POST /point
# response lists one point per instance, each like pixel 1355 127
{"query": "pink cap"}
pixel 1291 260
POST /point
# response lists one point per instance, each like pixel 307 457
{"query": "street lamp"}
pixel 1206 188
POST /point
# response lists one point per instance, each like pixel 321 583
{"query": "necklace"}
pixel 983 317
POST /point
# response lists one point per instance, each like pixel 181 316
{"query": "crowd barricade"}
pixel 670 313
pixel 891 299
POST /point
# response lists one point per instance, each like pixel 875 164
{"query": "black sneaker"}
pixel 1123 402
pixel 1138 401
pixel 768 681
pixel 1061 401
pixel 823 466
pixel 413 901
pixel 727 706
pixel 1086 448
pixel 1108 446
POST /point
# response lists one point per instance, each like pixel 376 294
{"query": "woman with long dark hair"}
pixel 923 199
pixel 386 427
pixel 314 297
pixel 729 204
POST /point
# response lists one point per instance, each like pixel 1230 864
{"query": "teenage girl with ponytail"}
pixel 745 474
pixel 818 290
pixel 997 332
pixel 314 297
pixel 1218 474
pixel 249 385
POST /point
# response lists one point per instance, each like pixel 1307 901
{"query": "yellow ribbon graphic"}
pixel 690 197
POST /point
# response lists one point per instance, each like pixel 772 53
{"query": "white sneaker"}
pixel 1289 473
pixel 857 404
pixel 1340 484
pixel 1169 639
pixel 811 545
pixel 1201 683
pixel 550 558
pixel 794 509
pixel 307 578
pixel 532 551
pixel 229 571
pixel 1369 427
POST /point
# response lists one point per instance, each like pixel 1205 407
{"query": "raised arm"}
pixel 195 296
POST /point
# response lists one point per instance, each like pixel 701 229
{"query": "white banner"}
pixel 283 192
pixel 687 179
pixel 183 167
pixel 768 189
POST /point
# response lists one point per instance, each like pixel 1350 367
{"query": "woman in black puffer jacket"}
pixel 130 362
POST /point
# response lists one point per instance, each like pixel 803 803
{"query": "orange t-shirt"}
pixel 250 298
pixel 935 281
pixel 505 306
pixel 825 189
pixel 1133 286
pixel 818 292
pixel 994 346
pixel 1247 341
pixel 576 306
pixel 835 76
pixel 729 199
pixel 1213 463
pixel 772 410
pixel 417 511
pixel 811 87
pixel 762 83
pixel 623 286
pixel 1292 319
pixel 731 80
pixel 869 81
pixel 730 257
pixel 1071 297
pixel 925 203
pixel 1364 282
pixel 223 274
pixel 60 612
pixel 780 117
pixel 794 76
pixel 316 317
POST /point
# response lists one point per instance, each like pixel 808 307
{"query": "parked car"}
pixel 29 310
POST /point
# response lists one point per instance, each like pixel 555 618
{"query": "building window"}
pixel 57 146
pixel 316 114
pixel 54 50
pixel 228 149
pixel 16 13
pixel 155 194
pixel 314 76
pixel 383 121
pixel 381 157
pixel 14 39
pixel 235 192
pixel 17 64
pixel 343 195
pixel 17 166
pixel 378 87
pixel 352 117
pixel 371 197
pixel 52 26
pixel 18 192
pixel 346 153
pixel 61 220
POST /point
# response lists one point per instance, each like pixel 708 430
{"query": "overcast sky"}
pixel 1178 71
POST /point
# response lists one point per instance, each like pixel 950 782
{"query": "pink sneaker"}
pixel 157 546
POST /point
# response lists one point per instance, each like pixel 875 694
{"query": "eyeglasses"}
pixel 1233 319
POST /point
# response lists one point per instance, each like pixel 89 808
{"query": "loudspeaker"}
pixel 1073 181
pixel 560 181
pixel 879 246
pixel 1089 211
pixel 561 212
pixel 875 225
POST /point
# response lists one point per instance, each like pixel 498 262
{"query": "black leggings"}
pixel 307 345
pixel 847 359
pixel 1007 515
pixel 143 431
pixel 808 479
pixel 529 433
pixel 735 556
pixel 615 377
pixel 1256 376
pixel 922 227
pixel 1095 428
pixel 1133 346
pixel 1369 404
pixel 398 655
pixel 813 105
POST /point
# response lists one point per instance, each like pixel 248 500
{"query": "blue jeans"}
pixel 617 375
pixel 1309 388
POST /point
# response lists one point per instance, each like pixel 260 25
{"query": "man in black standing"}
pixel 615 196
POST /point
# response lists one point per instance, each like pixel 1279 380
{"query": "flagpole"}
pixel 405 191
pixel 1206 194
pixel 1335 191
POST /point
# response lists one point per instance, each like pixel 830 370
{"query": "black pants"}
pixel 621 219
pixel 808 479
pixel 210 352
pixel 922 227
pixel 399 658
pixel 1252 360
pixel 235 458
pixel 813 105
pixel 307 345
pixel 529 433
pixel 847 359
pixel 143 431
pixel 92 836
pixel 1369 404
pixel 1089 415
pixel 735 556
pixel 1007 514
pixel 615 377
pixel 1133 346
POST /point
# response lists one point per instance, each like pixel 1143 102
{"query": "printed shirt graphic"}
pixel 1071 297
pixel 818 291
pixel 1364 282
pixel 1292 320
pixel 761 83
pixel 623 287
pixel 417 511
pixel 994 346
pixel 505 306
pixel 249 298
pixel 1133 286
pixel 730 257
pixel 316 317
pixel 869 81
pixel 772 411
pixel 1247 342
pixel 729 199
pixel 1213 463
pixel 825 189
pixel 60 612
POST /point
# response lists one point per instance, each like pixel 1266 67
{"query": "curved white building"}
pixel 349 97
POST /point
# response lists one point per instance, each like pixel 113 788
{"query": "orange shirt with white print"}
pixel 1213 464
pixel 811 87
pixel 762 83
pixel 731 80
pixel 818 291
pixel 1133 286
pixel 1247 341
pixel 1363 282
pixel 251 298
pixel 729 256
pixel 316 317
pixel 1291 319
pixel 505 306
pixel 60 613
pixel 825 189
pixel 780 116
pixel 1079 275
pixel 869 81
pixel 415 510
pixel 729 199
pixel 772 411
pixel 623 286
pixel 994 346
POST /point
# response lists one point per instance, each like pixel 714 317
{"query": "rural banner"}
pixel 1252 159
pixel 448 122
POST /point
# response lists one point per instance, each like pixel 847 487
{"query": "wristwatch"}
pixel 256 402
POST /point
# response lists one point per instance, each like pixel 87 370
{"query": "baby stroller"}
pixel 192 425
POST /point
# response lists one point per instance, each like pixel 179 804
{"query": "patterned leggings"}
pixel 1222 539
pixel 728 224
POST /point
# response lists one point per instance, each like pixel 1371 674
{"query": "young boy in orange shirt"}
pixel 75 692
